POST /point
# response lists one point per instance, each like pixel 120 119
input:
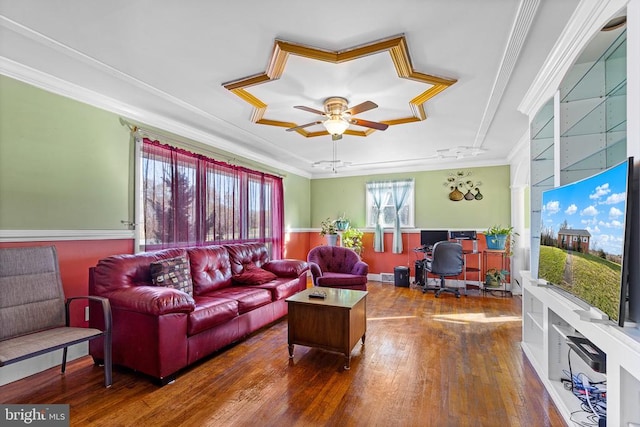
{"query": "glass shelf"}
pixel 598 161
pixel 542 124
pixel 542 149
pixel 604 75
pixel 608 114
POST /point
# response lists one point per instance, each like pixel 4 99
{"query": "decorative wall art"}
pixel 463 187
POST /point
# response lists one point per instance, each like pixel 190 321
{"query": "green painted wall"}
pixel 297 201
pixel 332 197
pixel 65 165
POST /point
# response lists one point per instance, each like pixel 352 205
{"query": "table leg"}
pixel 348 365
pixel 363 338
pixel 290 351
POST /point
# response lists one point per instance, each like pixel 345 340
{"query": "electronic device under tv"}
pixel 584 240
pixel 428 238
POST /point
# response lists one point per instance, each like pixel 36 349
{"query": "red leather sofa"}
pixel 159 330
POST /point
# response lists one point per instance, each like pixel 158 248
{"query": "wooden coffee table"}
pixel 334 323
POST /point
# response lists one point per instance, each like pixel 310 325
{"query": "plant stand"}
pixel 504 265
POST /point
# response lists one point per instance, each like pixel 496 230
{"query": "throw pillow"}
pixel 173 273
pixel 253 275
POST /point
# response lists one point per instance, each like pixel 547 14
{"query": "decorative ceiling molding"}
pixel 398 50
pixel 521 25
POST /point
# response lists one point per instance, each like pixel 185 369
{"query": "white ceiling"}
pixel 163 63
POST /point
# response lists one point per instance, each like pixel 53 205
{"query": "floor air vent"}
pixel 386 277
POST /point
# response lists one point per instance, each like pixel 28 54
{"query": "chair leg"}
pixel 107 361
pixel 64 360
pixel 455 291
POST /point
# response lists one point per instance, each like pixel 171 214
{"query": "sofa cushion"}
pixel 210 268
pixel 248 298
pixel 253 275
pixel 243 254
pixel 282 288
pixel 336 279
pixel 172 273
pixel 211 311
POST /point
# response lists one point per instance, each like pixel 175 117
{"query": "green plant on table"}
pixel 342 223
pixel 328 226
pixel 495 277
pixel 493 233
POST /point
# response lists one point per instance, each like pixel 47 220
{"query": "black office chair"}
pixel 446 260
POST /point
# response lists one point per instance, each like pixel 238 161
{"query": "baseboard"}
pixel 34 365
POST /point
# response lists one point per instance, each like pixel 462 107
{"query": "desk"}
pixel 503 265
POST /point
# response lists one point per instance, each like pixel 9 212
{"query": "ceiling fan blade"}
pixel 361 108
pixel 368 124
pixel 336 137
pixel 304 126
pixel 309 109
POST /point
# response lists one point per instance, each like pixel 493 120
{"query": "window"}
pixel 191 200
pixel 386 204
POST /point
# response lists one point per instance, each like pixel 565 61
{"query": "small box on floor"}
pixel 401 276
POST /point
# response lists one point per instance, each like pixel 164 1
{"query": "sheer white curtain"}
pixel 378 191
pixel 400 193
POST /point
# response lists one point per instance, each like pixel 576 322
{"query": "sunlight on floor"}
pixel 391 318
pixel 474 318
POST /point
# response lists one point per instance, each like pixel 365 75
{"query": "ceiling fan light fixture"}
pixel 336 125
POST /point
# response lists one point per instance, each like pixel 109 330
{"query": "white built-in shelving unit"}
pixel 585 117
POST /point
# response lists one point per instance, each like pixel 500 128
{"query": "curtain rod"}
pixel 136 129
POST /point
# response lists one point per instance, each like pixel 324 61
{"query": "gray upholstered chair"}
pixel 33 312
pixel 446 260
pixel 337 267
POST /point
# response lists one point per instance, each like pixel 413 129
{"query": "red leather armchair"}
pixel 337 267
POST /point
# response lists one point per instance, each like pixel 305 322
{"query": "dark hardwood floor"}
pixel 426 362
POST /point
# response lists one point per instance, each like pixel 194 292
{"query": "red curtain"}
pixel 193 200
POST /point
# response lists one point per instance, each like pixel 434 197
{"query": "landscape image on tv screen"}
pixel 582 238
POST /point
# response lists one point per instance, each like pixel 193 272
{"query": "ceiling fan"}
pixel 339 116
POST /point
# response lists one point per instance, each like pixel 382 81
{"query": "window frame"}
pixel 410 203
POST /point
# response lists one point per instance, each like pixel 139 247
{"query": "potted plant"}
pixel 342 223
pixel 497 237
pixel 352 238
pixel 494 277
pixel 328 230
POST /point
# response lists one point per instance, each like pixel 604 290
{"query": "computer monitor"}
pixel 431 237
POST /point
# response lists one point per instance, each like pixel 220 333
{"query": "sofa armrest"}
pixel 155 300
pixel 286 267
pixel 360 268
pixel 315 271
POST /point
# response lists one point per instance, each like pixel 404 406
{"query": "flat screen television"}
pixel 584 239
pixel 429 238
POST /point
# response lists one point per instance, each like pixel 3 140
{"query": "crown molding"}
pixel 517 37
pixel 588 18
pixel 70 90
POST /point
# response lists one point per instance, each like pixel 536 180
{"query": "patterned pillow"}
pixel 173 273
pixel 253 275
